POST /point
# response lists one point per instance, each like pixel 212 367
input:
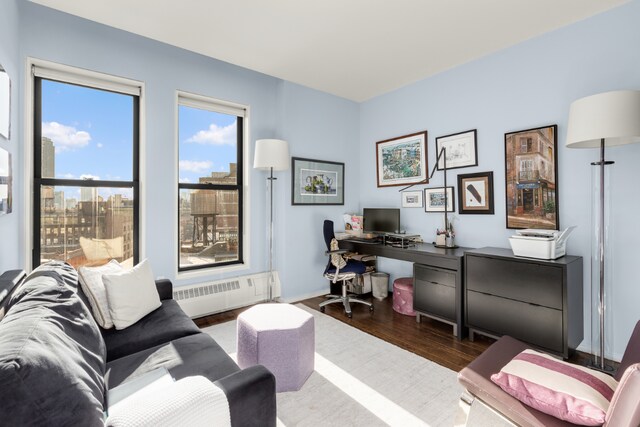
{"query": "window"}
pixel 210 214
pixel 86 180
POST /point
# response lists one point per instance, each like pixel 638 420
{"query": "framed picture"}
pixel 461 149
pixel 434 199
pixel 5 182
pixel 402 160
pixel 5 104
pixel 531 171
pixel 475 193
pixel 412 199
pixel 316 182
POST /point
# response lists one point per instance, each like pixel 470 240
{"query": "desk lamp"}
pixel 272 155
pixel 598 121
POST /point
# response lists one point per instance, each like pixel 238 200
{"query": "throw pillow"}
pixel 569 392
pixel 336 259
pixel 132 294
pixel 92 285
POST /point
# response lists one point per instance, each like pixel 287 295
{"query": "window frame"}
pixel 42 70
pixel 241 112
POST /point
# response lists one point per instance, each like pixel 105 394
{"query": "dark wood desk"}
pixel 438 278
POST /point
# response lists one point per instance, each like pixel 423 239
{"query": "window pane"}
pixel 208 227
pixel 208 146
pixel 86 226
pixel 86 133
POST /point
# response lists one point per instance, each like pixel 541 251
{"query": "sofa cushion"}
pixel 196 354
pixel 93 287
pixel 570 392
pixel 52 356
pixel 166 323
pixel 132 294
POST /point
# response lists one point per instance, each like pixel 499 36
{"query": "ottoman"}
pixel 403 296
pixel 281 337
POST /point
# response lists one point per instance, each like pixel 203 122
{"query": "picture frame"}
pixel 412 199
pixel 475 193
pixel 434 199
pixel 316 182
pixel 5 104
pixel 6 182
pixel 461 149
pixel 402 160
pixel 531 171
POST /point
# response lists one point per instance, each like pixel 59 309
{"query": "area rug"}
pixel 360 380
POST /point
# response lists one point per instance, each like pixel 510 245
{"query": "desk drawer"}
pixel 522 281
pixel 434 275
pixel 534 324
pixel 436 299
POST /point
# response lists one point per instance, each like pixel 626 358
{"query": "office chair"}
pixel 336 273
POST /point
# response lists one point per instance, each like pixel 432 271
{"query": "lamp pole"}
pixel 271 180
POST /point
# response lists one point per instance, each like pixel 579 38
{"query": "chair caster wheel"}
pixel 371 309
pixel 349 315
pixel 321 309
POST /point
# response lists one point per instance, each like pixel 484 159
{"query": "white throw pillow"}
pixel 132 294
pixel 90 279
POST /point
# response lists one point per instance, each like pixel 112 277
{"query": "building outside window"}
pixel 210 185
pixel 86 183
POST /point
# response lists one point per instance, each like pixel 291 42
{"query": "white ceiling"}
pixel 356 49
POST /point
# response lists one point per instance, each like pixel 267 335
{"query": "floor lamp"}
pixel 599 121
pixel 271 155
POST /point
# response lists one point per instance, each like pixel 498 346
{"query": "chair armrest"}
pixel 165 289
pixel 251 394
pixel 337 251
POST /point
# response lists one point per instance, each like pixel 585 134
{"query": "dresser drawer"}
pixel 436 299
pixel 434 275
pixel 522 281
pixel 534 324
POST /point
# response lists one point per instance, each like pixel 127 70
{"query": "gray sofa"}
pixel 54 357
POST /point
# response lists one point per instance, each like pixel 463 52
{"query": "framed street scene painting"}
pixel 402 160
pixel 531 171
pixel 434 199
pixel 475 193
pixel 316 182
pixel 461 150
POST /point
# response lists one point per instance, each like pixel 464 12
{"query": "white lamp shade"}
pixel 271 153
pixel 612 116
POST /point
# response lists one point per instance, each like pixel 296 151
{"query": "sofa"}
pixel 54 357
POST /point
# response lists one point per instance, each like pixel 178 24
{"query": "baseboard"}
pixel 299 298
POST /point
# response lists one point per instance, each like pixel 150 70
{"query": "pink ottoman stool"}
pixel 403 296
pixel 280 337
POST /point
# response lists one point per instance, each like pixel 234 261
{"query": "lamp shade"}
pixel 612 116
pixel 271 153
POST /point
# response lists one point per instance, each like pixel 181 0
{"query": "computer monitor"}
pixel 381 220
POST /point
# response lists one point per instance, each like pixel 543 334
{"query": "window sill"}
pixel 211 271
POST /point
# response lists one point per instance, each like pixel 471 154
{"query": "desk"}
pixel 438 278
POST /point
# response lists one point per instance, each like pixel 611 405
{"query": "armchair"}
pixel 335 272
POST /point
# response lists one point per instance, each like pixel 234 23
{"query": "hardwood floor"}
pixel 429 338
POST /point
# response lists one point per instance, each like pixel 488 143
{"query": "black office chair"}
pixel 335 273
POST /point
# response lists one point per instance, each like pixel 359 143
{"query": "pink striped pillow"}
pixel 570 392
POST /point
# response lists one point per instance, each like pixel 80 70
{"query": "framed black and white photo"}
pixel 434 199
pixel 475 193
pixel 316 182
pixel 412 199
pixel 461 150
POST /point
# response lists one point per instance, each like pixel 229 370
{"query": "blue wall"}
pixel 529 85
pixel 12 245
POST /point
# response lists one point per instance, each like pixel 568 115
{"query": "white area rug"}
pixel 360 380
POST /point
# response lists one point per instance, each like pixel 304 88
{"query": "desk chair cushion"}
pixel 352 267
pixel 567 391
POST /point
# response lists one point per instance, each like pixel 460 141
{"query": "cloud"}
pixel 99 145
pixel 184 180
pixel 216 135
pixel 65 137
pixel 89 176
pixel 195 166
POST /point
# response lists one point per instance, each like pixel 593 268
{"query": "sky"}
pixel 92 131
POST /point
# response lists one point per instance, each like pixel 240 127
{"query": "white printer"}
pixel 540 244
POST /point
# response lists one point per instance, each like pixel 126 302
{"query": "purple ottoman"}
pixel 403 296
pixel 281 337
